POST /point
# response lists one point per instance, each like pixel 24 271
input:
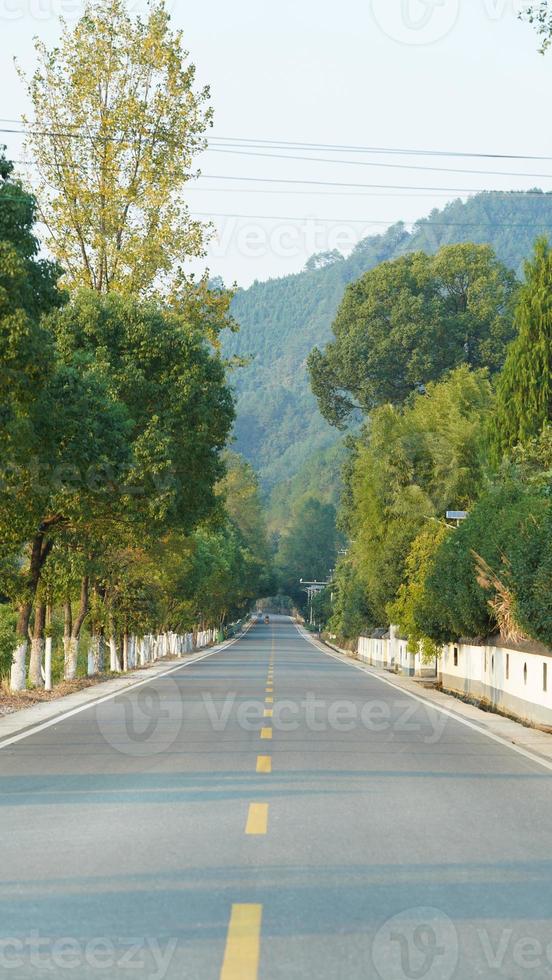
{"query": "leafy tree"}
pixel 504 538
pixel 173 389
pixel 61 485
pixel 409 466
pixel 419 566
pixel 283 319
pixel 117 123
pixel 524 388
pixel 351 613
pixel 7 638
pixel 540 15
pixel 308 550
pixel 408 322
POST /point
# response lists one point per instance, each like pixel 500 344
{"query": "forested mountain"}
pixel 281 320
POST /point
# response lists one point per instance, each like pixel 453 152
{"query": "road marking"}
pixel 268 712
pixel 257 819
pixel 269 700
pixel 429 704
pixel 266 732
pixel 264 763
pixel 243 941
pixel 57 719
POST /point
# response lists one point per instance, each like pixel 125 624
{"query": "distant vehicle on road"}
pixel 267 619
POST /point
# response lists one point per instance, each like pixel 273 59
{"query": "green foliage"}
pixel 7 638
pixel 113 201
pixel 524 389
pixel 172 387
pixel 509 528
pixel 540 15
pixel 308 549
pixel 351 613
pixel 411 465
pixel 408 322
pixel 320 477
pixel 411 597
pixel 282 320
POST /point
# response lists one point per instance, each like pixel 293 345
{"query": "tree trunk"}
pixel 48 663
pixel 73 630
pixel 125 651
pixel 67 629
pixel 71 659
pixel 37 646
pixel 40 550
pixel 96 652
pixel 114 660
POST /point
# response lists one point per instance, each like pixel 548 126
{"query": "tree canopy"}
pixel 117 122
pixel 409 321
pixel 524 388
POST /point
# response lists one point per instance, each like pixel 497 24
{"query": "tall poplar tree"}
pixel 117 122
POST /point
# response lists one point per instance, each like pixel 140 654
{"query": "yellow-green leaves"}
pixel 117 124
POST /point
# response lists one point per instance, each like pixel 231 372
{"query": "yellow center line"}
pixel 257 819
pixel 269 700
pixel 264 763
pixel 268 712
pixel 266 732
pixel 243 941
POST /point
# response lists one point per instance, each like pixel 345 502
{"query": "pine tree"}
pixel 524 388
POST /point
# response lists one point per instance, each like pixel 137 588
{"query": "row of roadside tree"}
pixel 121 510
pixel 455 387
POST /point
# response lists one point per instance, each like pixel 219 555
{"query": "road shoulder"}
pixel 24 722
pixel 528 740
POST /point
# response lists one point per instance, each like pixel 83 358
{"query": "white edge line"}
pixel 429 704
pixel 115 694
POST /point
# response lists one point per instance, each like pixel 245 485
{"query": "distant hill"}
pixel 281 320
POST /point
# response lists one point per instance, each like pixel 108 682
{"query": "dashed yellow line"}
pixel 243 943
pixel 264 763
pixel 269 700
pixel 268 712
pixel 257 819
pixel 266 732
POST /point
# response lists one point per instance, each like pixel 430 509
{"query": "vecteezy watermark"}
pixel 67 10
pixel 335 715
pixel 418 944
pixel 145 957
pixel 416 22
pixel 145 722
pixel 424 22
pixel 284 239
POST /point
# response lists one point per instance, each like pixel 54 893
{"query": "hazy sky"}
pixel 454 75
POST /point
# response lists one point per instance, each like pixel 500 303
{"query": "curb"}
pixel 529 742
pixel 27 721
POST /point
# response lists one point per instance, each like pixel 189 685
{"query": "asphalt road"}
pixel 183 831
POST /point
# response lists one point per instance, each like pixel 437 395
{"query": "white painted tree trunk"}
pixel 96 655
pixel 125 651
pixel 70 650
pixel 35 662
pixel 48 663
pixel 114 661
pixel 18 675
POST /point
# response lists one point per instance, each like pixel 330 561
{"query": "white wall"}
pixel 509 680
pixel 512 680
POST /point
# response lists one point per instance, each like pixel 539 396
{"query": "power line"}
pixel 340 147
pixel 385 166
pixel 334 147
pixel 366 221
pixel 349 184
